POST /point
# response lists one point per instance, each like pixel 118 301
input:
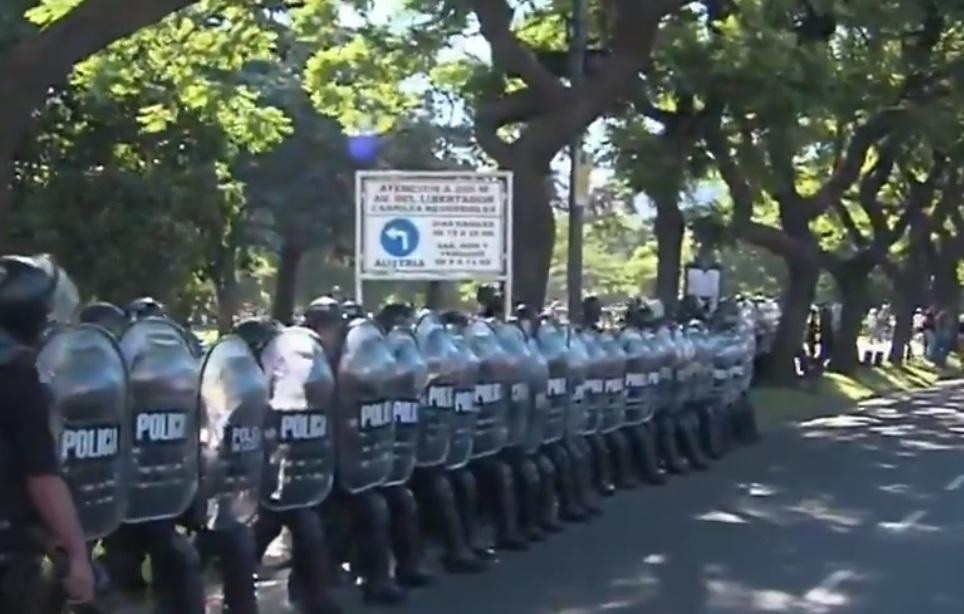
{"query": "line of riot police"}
pixel 367 437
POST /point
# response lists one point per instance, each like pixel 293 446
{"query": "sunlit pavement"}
pixel 862 512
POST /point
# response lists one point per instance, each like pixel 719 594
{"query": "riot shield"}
pixel 87 378
pixel 164 416
pixel 639 359
pixel 519 391
pixel 561 392
pixel 437 409
pixel 497 372
pixel 408 390
pixel 539 405
pixel 366 420
pixel 234 405
pixel 594 397
pixel 300 469
pixel 465 411
pixel 613 415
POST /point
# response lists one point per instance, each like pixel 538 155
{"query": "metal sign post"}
pixel 433 226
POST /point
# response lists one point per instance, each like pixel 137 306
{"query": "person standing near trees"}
pixel 827 334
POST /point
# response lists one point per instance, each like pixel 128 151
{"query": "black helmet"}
pixel 351 310
pixel 591 310
pixel 453 318
pixel 32 289
pixel 394 314
pixel 258 332
pixel 108 315
pixel 145 307
pixel 322 312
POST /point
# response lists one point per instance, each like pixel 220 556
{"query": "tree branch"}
pixel 849 224
pixel 510 54
pixel 847 170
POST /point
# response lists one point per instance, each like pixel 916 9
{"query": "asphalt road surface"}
pixel 857 513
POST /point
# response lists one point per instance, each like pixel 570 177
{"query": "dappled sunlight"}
pixel 721 516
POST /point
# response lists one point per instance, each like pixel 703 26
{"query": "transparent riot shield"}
pixel 637 375
pixel 408 390
pixel 366 419
pixel 465 411
pixel 518 390
pixel 497 372
pixel 437 409
pixel 614 384
pixel 300 469
pixel 539 406
pixel 561 392
pixel 594 397
pixel 87 378
pixel 234 406
pixel 164 418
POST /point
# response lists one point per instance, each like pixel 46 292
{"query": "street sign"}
pixel 433 226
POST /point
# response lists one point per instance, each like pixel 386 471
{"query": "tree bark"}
pixel 802 275
pixel 286 283
pixel 853 292
pixel 903 326
pixel 227 295
pixel 533 234
pixel 669 227
pixel 34 64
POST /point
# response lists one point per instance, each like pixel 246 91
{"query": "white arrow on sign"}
pixel 395 233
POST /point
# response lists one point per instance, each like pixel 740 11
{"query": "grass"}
pixel 834 392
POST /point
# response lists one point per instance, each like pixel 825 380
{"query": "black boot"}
pixel 406 537
pixel 710 429
pixel 582 469
pixel 503 504
pixel 602 467
pixel 570 505
pixel 666 444
pixel 623 474
pixel 467 503
pixel 549 504
pixel 645 455
pixel 687 440
pixel 311 576
pixel 374 542
pixel 529 488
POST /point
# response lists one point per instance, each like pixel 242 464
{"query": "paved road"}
pixel 858 513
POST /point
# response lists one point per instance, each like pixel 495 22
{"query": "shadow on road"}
pixel 854 513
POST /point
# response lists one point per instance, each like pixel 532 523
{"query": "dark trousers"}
pixel 234 547
pixel 175 564
pixel 311 563
pixel 22 586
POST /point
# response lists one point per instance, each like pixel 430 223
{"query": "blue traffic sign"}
pixel 399 237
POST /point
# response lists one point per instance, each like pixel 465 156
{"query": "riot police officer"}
pixel 163 410
pixel 36 501
pixel 365 512
pixel 300 461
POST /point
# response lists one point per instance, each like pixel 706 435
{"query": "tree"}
pixel 33 60
pixel 831 106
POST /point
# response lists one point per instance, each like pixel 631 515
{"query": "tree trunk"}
pixel 802 275
pixel 435 295
pixel 853 292
pixel 903 326
pixel 533 235
pixel 286 284
pixel 669 228
pixel 226 291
